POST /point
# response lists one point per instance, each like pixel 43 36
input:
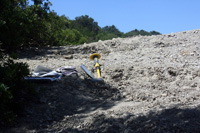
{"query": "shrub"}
pixel 14 90
pixel 6 97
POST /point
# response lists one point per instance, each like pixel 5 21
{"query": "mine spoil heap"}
pixel 151 84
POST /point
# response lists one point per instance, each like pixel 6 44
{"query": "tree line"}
pixel 22 24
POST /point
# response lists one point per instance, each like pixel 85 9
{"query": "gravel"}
pixel 151 85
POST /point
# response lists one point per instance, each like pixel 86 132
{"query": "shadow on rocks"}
pixel 172 120
pixel 68 97
pixel 44 52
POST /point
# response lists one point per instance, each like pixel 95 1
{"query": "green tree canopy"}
pixel 112 29
pixel 24 25
pixel 87 26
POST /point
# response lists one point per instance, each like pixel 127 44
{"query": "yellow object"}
pixel 97 66
pixel 95 55
pixel 98 73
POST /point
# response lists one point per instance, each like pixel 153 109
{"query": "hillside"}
pixel 152 84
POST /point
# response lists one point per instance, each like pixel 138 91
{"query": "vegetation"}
pixel 140 32
pixel 14 91
pixel 22 25
pixel 25 25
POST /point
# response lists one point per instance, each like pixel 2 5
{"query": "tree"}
pixel 154 32
pixel 140 32
pixel 112 29
pixel 38 2
pixel 143 33
pixel 87 26
pixel 25 25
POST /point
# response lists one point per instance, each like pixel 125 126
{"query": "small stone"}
pixel 68 57
pixel 194 85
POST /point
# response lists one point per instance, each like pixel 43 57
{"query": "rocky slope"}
pixel 152 84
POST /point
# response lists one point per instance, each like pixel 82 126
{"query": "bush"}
pixel 105 36
pixel 82 40
pixel 14 90
pixel 6 97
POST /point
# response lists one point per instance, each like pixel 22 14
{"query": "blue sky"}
pixel 164 16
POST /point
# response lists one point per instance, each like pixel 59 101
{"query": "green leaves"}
pixel 13 88
pixel 6 115
pixel 140 32
pixel 112 29
pixel 26 25
pixel 4 92
pixel 105 36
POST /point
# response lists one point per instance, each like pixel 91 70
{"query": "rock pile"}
pixel 152 84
